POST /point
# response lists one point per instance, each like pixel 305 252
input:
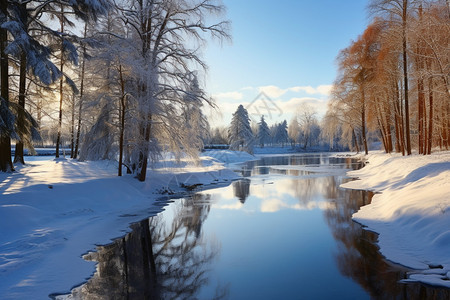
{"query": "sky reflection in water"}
pixel 283 233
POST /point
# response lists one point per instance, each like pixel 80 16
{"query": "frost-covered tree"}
pixel 263 132
pixel 240 133
pixel 195 122
pixel 308 124
pixel 18 19
pixel 294 131
pixel 149 78
pixel 164 38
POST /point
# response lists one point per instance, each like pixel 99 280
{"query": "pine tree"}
pixel 263 132
pixel 282 133
pixel 240 133
pixel 17 19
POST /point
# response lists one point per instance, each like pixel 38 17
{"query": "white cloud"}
pixel 272 91
pixel 324 89
pixel 294 104
pixel 276 92
pixel 307 89
pixel 229 95
pixel 247 88
pixel 272 205
pixel 286 101
pixel 235 206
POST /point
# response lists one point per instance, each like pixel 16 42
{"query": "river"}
pixel 284 231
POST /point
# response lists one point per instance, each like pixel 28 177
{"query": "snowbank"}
pixel 53 211
pixel 411 213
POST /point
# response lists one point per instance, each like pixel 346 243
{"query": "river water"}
pixel 284 231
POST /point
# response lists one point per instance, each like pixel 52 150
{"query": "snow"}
pixel 52 211
pixel 411 213
pixel 229 156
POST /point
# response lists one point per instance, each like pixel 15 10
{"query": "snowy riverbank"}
pixel 53 211
pixel 411 213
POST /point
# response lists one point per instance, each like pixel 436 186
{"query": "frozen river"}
pixel 284 231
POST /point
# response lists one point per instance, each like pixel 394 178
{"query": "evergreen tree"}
pixel 17 20
pixel 282 133
pixel 263 132
pixel 240 133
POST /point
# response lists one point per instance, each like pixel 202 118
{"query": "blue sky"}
pixel 285 48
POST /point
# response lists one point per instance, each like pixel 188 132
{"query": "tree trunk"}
pixel 388 130
pixel 420 103
pixel 355 140
pixel 18 156
pixel 430 116
pixel 405 78
pixel 363 120
pixel 6 164
pixel 80 104
pixel 61 85
pixel 72 128
pixel 122 120
pixel 143 173
pixel 401 119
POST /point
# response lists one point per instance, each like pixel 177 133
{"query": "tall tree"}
pixel 294 130
pixel 6 117
pixel 263 132
pixel 18 18
pixel 240 133
pixel 158 31
pixel 399 13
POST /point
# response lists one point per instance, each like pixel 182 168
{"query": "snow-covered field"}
pixel 53 211
pixel 411 213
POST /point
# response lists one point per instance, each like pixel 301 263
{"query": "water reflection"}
pixel 159 259
pixel 299 241
pixel 241 189
pixel 358 256
pixel 277 165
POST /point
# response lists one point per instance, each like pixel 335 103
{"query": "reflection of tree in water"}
pixel 358 256
pixel 241 189
pixel 158 259
pixel 307 189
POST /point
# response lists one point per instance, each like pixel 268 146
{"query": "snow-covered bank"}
pixel 411 213
pixel 53 211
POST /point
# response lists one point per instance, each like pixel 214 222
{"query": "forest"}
pixel 124 75
pixel 122 80
pixel 393 80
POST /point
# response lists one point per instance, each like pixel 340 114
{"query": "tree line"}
pixel 394 79
pixel 124 74
pixel 304 130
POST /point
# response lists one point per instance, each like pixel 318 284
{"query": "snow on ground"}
pixel 411 213
pixel 54 211
pixel 230 157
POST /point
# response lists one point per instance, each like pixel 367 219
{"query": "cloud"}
pixel 307 89
pixel 275 92
pixel 229 95
pixel 325 89
pixel 286 102
pixel 272 91
pixel 294 104
pixel 235 206
pixel 247 88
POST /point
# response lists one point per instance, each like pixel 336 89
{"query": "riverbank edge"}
pixel 410 211
pixel 54 211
